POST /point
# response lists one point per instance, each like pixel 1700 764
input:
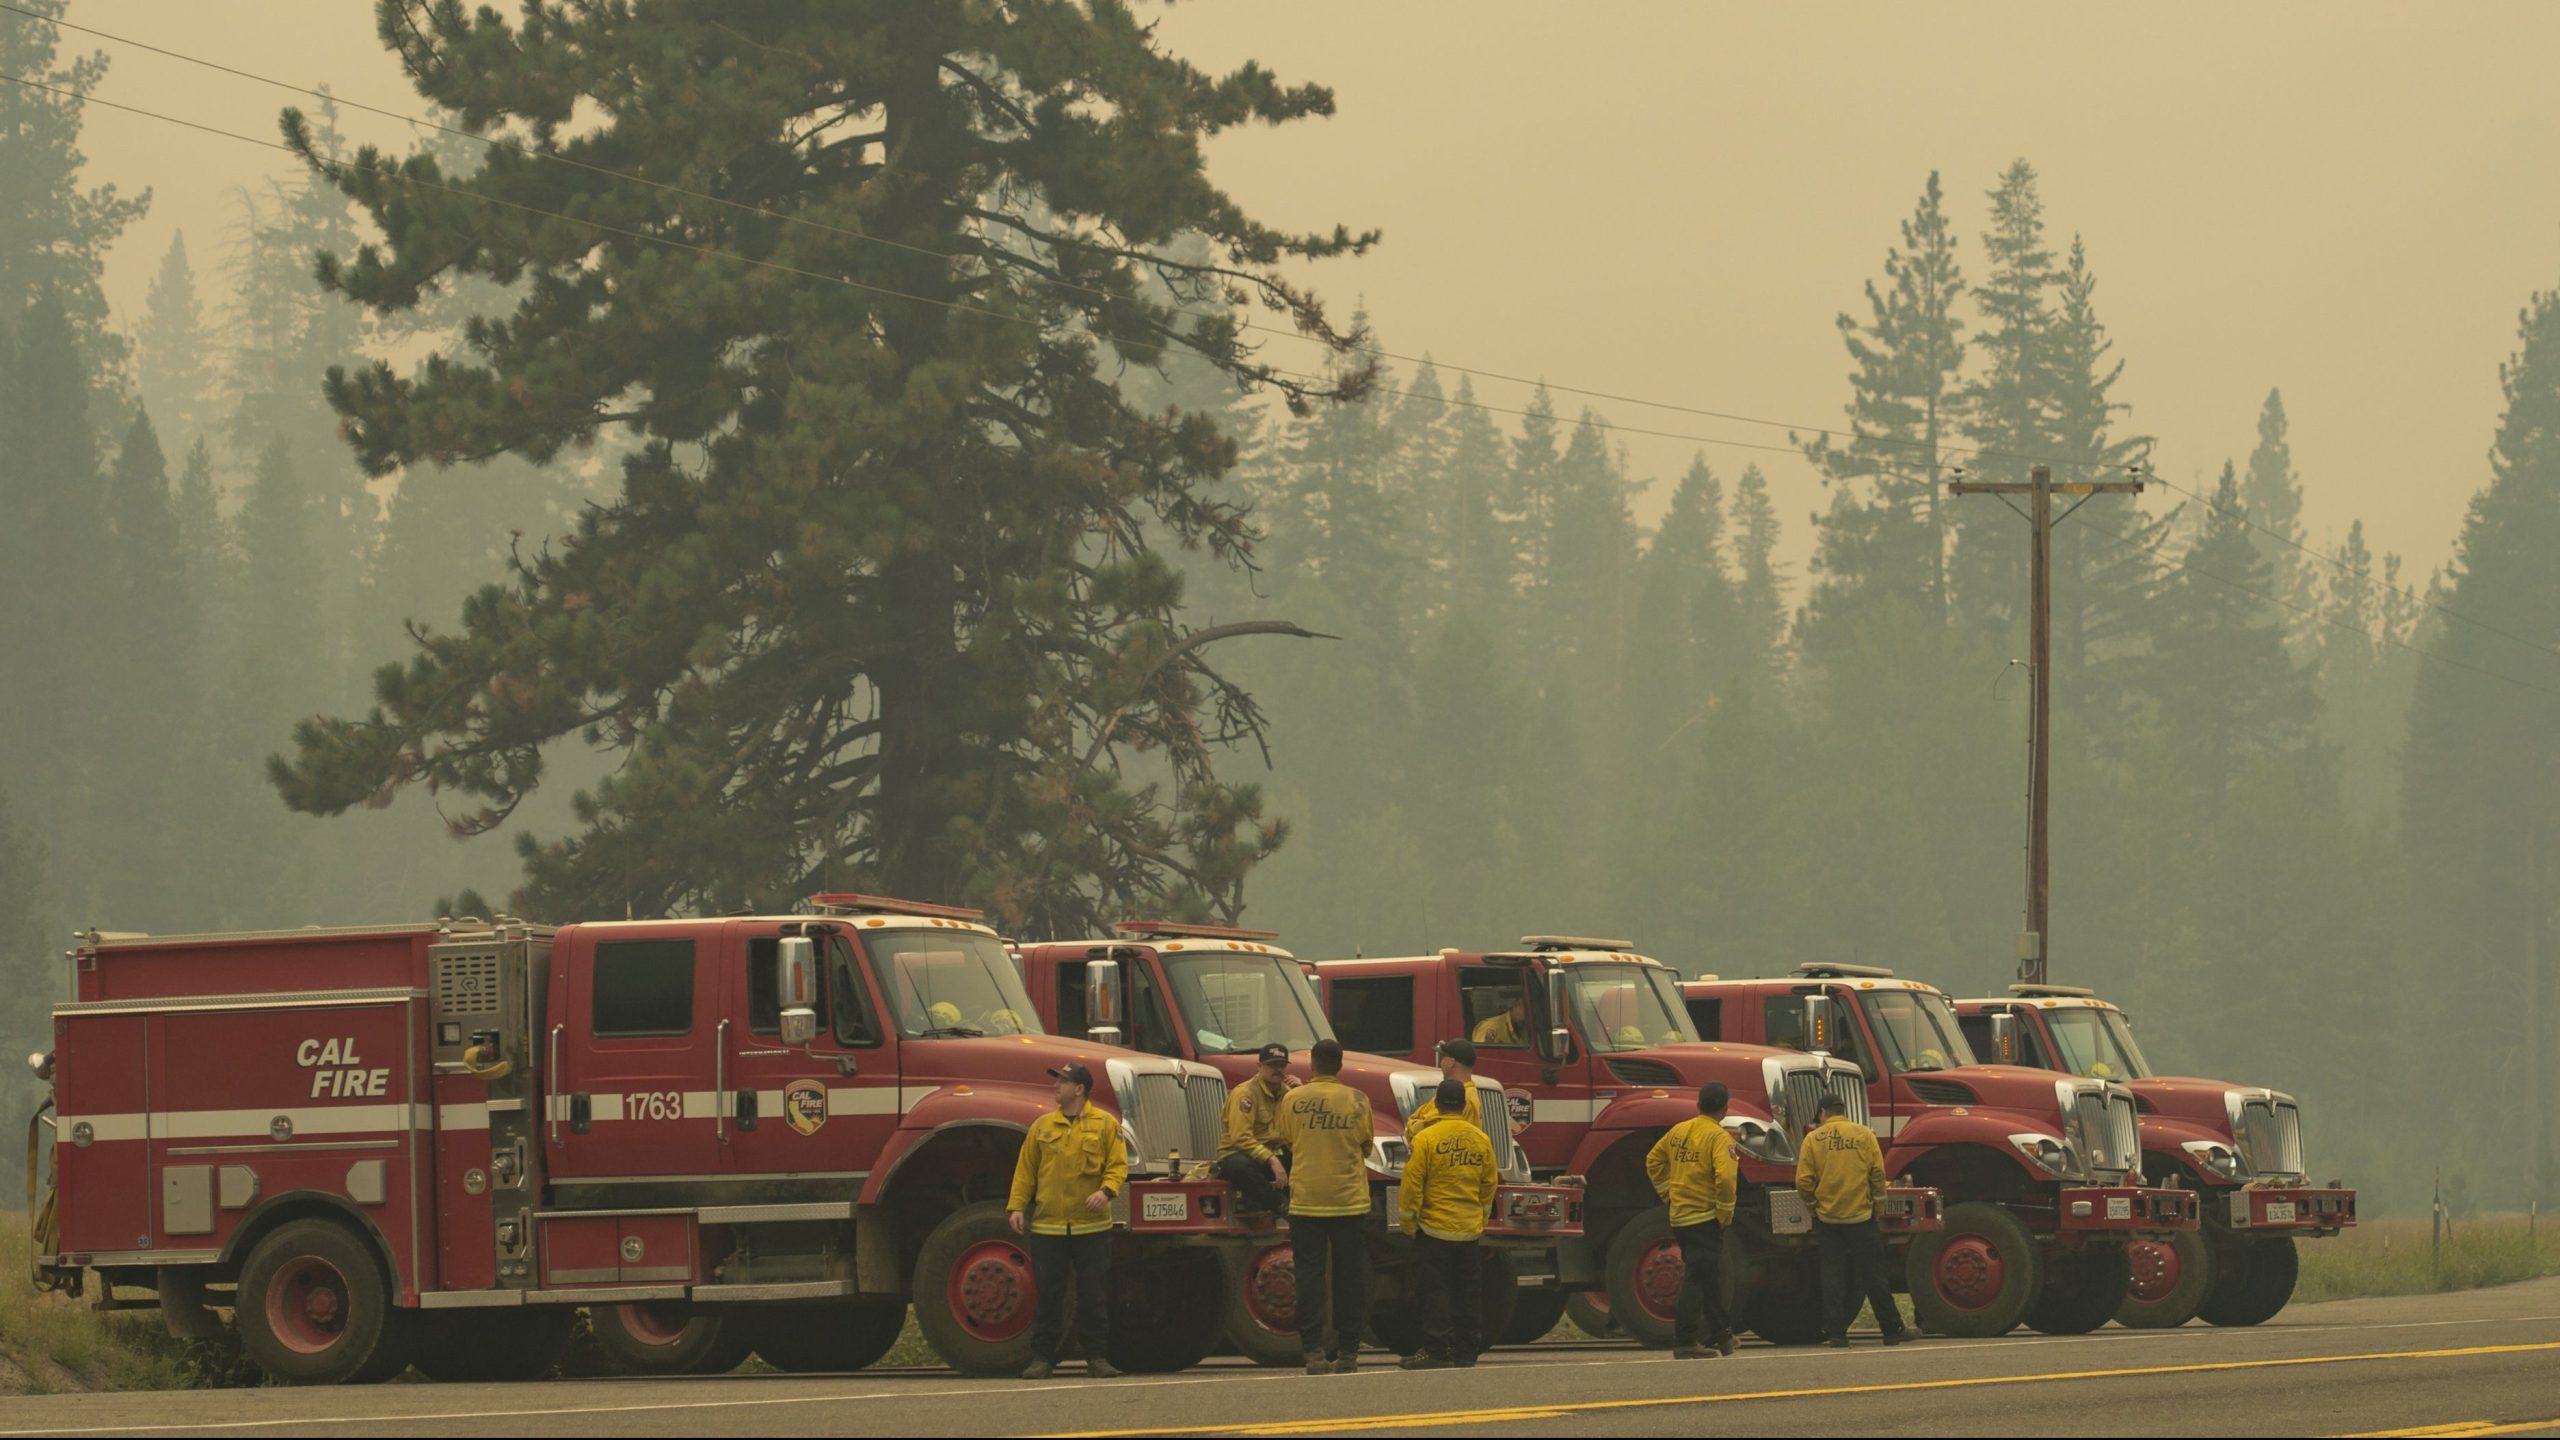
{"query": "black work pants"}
pixel 1448 1273
pixel 1253 1178
pixel 1331 1253
pixel 1089 1256
pixel 1699 1316
pixel 1853 1269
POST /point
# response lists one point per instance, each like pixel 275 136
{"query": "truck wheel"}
pixel 2260 1283
pixel 1396 1325
pixel 1258 1313
pixel 2170 1279
pixel 2081 1291
pixel 973 1292
pixel 1534 1316
pixel 817 1339
pixel 1171 1319
pixel 1643 1272
pixel 1784 1304
pixel 314 1308
pixel 1497 1299
pixel 478 1347
pixel 1589 1312
pixel 1977 1277
pixel 670 1337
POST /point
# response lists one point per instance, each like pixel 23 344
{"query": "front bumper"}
pixel 2289 1210
pixel 1524 1216
pixel 2126 1209
pixel 1907 1210
pixel 1186 1209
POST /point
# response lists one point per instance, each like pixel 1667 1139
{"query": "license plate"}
pixel 2279 1212
pixel 1175 1206
pixel 2119 1207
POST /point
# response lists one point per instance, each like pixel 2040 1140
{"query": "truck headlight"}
pixel 2050 1154
pixel 2218 1158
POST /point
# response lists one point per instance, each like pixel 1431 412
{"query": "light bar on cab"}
pixel 845 902
pixel 1182 930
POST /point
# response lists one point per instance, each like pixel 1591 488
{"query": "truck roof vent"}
pixel 1181 930
pixel 1833 970
pixel 1549 943
pixel 2058 992
pixel 845 902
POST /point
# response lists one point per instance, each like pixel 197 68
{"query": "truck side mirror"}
pixel 1820 1025
pixel 795 984
pixel 1555 1042
pixel 2004 1040
pixel 1102 1001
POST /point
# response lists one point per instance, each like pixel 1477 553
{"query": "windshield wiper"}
pixel 945 1032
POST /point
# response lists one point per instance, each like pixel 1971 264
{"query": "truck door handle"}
pixel 719 1081
pixel 746 1109
pixel 582 1112
pixel 551 1080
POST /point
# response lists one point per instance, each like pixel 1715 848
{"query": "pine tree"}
pixel 878 597
pixel 54 235
pixel 2103 557
pixel 1591 549
pixel 1759 585
pixel 173 351
pixel 1483 546
pixel 2273 495
pixel 2010 408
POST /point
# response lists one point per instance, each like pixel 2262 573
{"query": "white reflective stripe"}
pixel 914 1095
pixel 228 1124
pixel 1547 1112
pixel 101 1127
pixel 862 1100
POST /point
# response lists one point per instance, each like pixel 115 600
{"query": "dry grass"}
pixel 50 1344
pixel 2394 1257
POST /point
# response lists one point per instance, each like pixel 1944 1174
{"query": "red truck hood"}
pixel 1004 1060
pixel 2003 1087
pixel 2185 1097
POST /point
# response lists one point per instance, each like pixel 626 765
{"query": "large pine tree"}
pixel 879 599
pixel 54 235
pixel 173 352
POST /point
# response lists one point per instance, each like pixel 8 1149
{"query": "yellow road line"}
pixel 2457 1428
pixel 1482 1419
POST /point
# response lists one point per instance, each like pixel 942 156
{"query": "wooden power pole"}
pixel 2034 942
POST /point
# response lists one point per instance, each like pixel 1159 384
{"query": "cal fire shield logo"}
pixel 804 1105
pixel 1522 1107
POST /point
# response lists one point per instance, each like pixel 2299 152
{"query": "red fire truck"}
pixel 433 1143
pixel 2237 1147
pixel 1216 995
pixel 2042 1175
pixel 1596 1058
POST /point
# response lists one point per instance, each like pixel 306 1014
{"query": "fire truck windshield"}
pixel 944 983
pixel 1626 1007
pixel 1915 1029
pixel 1236 1004
pixel 2096 1043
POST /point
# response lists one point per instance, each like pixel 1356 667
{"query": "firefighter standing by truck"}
pixel 1327 1128
pixel 1840 1174
pixel 1247 1157
pixel 1072 1163
pixel 1693 1169
pixel 1446 1192
pixel 1457 1062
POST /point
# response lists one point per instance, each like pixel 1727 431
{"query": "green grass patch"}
pixel 2395 1257
pixel 52 1344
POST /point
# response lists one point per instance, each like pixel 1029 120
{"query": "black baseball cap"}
pixel 1451 1097
pixel 1461 1049
pixel 1073 1071
pixel 1832 1104
pixel 1274 1053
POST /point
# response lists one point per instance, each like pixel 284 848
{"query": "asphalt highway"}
pixel 2478 1363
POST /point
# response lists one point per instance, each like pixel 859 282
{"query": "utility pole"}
pixel 2034 942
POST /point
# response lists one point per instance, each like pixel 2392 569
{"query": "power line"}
pixel 1941 447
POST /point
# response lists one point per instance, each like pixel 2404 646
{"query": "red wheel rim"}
pixel 307 1305
pixel 2156 1270
pixel 1598 1300
pixel 1970 1273
pixel 1271 1289
pixel 653 1324
pixel 1658 1272
pixel 991 1292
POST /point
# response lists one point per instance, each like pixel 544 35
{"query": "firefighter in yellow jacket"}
pixel 1328 1129
pixel 1457 1062
pixel 1072 1164
pixel 1693 1170
pixel 1249 1157
pixel 1840 1174
pixel 1446 1193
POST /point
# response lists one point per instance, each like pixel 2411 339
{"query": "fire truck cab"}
pixel 2238 1147
pixel 433 1143
pixel 1215 995
pixel 1596 1059
pixel 2042 1174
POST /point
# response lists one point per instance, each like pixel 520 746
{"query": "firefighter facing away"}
pixel 1457 1062
pixel 1840 1174
pixel 1248 1157
pixel 1072 1164
pixel 1327 1128
pixel 1693 1170
pixel 1446 1192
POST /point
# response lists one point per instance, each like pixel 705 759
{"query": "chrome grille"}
pixel 1796 1087
pixel 2268 1134
pixel 1850 1086
pixel 1156 1108
pixel 2102 1125
pixel 1507 1160
pixel 1207 1095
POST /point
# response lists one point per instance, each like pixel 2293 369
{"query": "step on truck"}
pixel 2041 1173
pixel 2238 1147
pixel 1596 1059
pixel 1215 995
pixel 434 1144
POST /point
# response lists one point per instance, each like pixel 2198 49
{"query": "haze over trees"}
pixel 705 583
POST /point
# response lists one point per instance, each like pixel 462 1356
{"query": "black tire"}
pixel 1497 1299
pixel 1396 1325
pixel 1534 1315
pixel 973 1292
pixel 1642 1274
pixel 1168 1321
pixel 1589 1312
pixel 827 1336
pixel 1771 1289
pixel 2170 1280
pixel 1258 1306
pixel 671 1337
pixel 2253 1280
pixel 478 1347
pixel 1977 1277
pixel 2082 1291
pixel 315 1308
